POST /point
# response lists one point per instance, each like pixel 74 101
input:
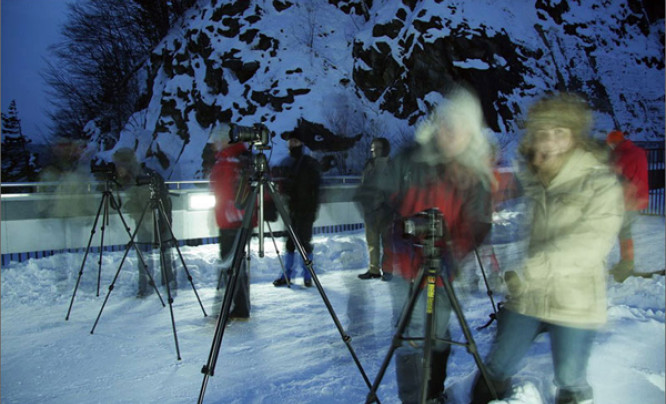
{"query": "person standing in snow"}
pixel 576 209
pixel 630 163
pixel 137 181
pixel 300 186
pixel 375 213
pixel 446 169
pixel 231 162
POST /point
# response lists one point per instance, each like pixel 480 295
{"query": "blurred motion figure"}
pixel 299 185
pixel 448 169
pixel 630 163
pixel 138 181
pixel 376 214
pixel 576 208
pixel 231 163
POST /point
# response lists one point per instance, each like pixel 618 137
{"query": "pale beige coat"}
pixel 575 222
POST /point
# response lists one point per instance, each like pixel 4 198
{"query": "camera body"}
pixel 424 225
pixel 104 171
pixel 256 134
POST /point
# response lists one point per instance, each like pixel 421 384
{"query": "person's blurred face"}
pixel 551 144
pixel 221 143
pixel 453 139
pixel 376 150
pixel 293 142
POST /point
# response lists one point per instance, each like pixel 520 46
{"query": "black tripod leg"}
pixel 471 345
pixel 105 222
pixel 430 331
pixel 308 263
pixel 174 241
pixel 122 261
pixel 398 337
pixel 85 256
pixel 277 251
pixel 239 252
pixel 156 213
pixel 115 206
pixel 485 280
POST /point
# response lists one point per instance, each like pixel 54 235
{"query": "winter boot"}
pixel 307 278
pixel 288 269
pixel 481 393
pixel 438 373
pixel 566 396
pixel 408 370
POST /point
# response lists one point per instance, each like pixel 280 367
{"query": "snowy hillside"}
pixel 345 73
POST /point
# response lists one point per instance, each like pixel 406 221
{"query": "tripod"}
pixel 434 231
pixel 103 210
pixel 158 213
pixel 260 182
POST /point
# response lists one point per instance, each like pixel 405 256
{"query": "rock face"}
pixel 348 70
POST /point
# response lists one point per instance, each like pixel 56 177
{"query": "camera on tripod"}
pixel 104 171
pixel 256 134
pixel 424 225
pixel 144 179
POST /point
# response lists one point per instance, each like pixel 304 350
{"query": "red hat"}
pixel 615 137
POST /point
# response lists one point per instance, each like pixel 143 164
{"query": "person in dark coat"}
pixel 300 184
pixel 447 169
pixel 137 181
pixel 232 161
pixel 375 213
pixel 630 163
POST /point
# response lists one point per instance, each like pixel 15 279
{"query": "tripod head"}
pixel 260 162
pixel 428 229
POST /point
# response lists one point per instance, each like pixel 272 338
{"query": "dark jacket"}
pixel 376 212
pixel 300 184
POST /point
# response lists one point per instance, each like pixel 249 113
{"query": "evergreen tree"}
pixel 18 164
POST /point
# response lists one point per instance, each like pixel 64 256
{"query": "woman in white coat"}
pixel 576 209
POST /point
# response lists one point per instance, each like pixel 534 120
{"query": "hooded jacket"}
pixel 575 221
pixel 631 164
pixel 225 180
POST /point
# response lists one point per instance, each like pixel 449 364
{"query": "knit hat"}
pixel 564 110
pixel 615 137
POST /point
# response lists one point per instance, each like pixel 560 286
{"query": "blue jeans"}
pixel 570 348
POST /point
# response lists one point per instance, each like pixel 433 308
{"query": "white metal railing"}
pixel 39 222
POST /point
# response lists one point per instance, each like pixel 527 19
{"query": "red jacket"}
pixel 463 202
pixel 224 180
pixel 631 164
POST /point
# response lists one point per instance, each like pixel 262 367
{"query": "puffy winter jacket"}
pixel 575 222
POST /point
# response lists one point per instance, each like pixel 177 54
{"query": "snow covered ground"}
pixel 290 349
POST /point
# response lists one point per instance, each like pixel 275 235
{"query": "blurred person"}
pixel 137 180
pixel 232 161
pixel 447 168
pixel 300 186
pixel 575 206
pixel 66 174
pixel 630 163
pixel 375 213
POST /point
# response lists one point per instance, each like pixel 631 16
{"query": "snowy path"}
pixel 290 350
